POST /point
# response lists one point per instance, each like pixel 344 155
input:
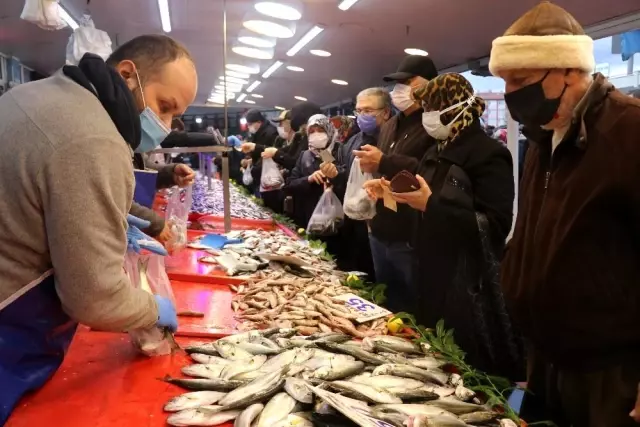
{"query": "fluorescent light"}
pixel 253 52
pixel 277 107
pixel 229 88
pixel 272 69
pixel 253 86
pixel 281 30
pixel 244 68
pixel 278 10
pixel 230 95
pixel 419 52
pixel 248 101
pixel 255 95
pixel 346 4
pixel 300 98
pixel 198 120
pixel 311 34
pixel 164 15
pixel 67 18
pixel 293 68
pixel 318 52
pixel 339 82
pixel 216 101
pixel 256 41
pixel 234 80
pixel 237 74
pixel 240 99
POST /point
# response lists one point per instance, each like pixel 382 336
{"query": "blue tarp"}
pixel 630 44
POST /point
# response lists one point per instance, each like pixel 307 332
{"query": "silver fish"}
pixel 262 346
pixel 464 393
pixel 293 420
pixel 437 421
pixel 255 391
pixel 388 382
pixel 231 351
pixel 204 371
pixel 232 370
pixel 358 353
pixel 208 349
pixel 241 337
pixel 390 343
pixel 203 384
pixel 339 371
pixel 249 376
pixel 193 400
pixel 409 409
pixel 455 406
pixel 481 417
pixel 397 420
pixel 365 392
pixel 201 417
pixel 298 389
pixel 247 416
pixel 437 377
pixel 276 409
pixel 416 394
pixel 426 362
pixel 205 359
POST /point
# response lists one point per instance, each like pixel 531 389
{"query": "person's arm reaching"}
pixel 143 212
pixel 188 139
pixel 85 204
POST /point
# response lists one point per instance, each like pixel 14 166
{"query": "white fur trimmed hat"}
pixel 547 36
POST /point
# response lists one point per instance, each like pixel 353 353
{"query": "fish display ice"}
pixel 270 388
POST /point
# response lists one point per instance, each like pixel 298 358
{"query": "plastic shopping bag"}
pixel 148 272
pixel 177 216
pixel 271 178
pixel 247 178
pixel 87 39
pixel 357 204
pixel 44 13
pixel 327 216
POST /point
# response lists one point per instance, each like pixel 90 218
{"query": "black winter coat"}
pixel 472 183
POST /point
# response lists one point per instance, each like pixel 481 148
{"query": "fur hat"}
pixel 545 37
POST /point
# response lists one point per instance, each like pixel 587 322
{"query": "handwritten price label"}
pixel 365 310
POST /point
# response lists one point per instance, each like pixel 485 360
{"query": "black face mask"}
pixel 529 106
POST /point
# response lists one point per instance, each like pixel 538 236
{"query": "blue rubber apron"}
pixel 35 334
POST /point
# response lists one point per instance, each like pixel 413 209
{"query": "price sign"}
pixel 355 410
pixel 362 308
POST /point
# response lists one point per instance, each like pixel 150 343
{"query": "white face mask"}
pixel 253 128
pixel 401 97
pixel 318 140
pixel 282 133
pixel 433 125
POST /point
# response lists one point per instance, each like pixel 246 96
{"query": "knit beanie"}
pixel 546 37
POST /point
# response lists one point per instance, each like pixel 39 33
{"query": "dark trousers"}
pixel 393 263
pixel 581 398
pixel 355 250
pixel 274 200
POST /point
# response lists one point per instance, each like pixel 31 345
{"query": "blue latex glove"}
pixel 167 317
pixel 137 240
pixel 217 241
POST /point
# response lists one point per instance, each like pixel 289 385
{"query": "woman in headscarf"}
pixel 307 182
pixel 346 127
pixel 465 192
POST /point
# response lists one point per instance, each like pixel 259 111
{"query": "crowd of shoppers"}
pixel 443 192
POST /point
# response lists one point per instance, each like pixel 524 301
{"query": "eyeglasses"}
pixel 368 111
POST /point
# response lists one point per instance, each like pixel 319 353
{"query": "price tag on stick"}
pixel 362 308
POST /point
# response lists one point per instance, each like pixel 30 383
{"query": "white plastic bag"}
pixel 147 272
pixel 177 216
pixel 247 178
pixel 87 39
pixel 327 216
pixel 271 179
pixel 357 204
pixel 44 13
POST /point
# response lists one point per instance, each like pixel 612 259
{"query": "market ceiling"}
pixel 365 41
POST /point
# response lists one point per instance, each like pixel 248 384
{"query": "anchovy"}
pixel 247 416
pixel 193 400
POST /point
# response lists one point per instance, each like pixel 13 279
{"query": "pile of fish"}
pixel 273 378
pixel 308 305
pixel 211 202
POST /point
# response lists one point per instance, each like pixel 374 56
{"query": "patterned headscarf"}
pixel 445 91
pixel 343 124
pixel 324 122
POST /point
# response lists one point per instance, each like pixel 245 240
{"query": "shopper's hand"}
pixel 370 157
pixel 245 163
pixel 183 175
pixel 416 199
pixel 269 152
pixel 165 235
pixel 137 240
pixel 166 314
pixel 374 188
pixel 317 177
pixel 329 170
pixel 635 413
pixel 248 147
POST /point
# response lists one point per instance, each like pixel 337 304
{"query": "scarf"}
pixel 323 121
pixel 93 74
pixel 445 91
pixel 344 125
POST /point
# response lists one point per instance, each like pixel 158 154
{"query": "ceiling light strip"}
pixel 67 18
pixel 272 69
pixel 253 86
pixel 242 97
pixel 165 18
pixel 305 40
pixel 346 4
